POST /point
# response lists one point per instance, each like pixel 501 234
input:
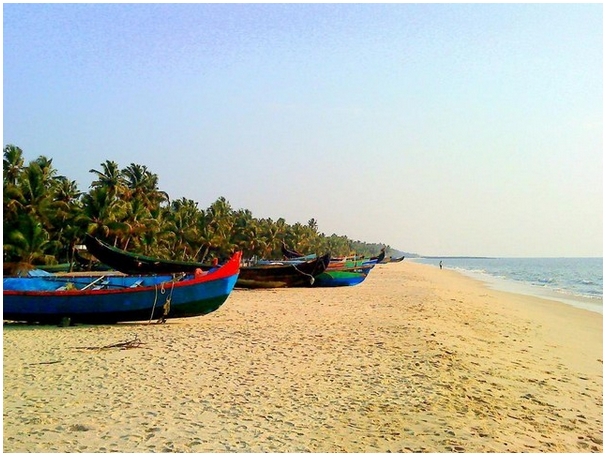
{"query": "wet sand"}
pixel 415 359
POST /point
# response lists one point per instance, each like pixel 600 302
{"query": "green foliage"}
pixel 45 216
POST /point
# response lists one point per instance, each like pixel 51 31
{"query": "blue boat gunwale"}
pixel 224 271
pixel 200 294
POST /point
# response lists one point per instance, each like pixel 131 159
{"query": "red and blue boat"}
pixel 107 298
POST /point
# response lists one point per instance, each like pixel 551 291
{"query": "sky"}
pixel 438 129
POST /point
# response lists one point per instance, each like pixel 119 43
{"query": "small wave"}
pixel 548 280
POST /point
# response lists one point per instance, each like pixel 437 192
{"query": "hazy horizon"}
pixel 439 129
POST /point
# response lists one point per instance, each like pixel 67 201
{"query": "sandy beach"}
pixel 415 359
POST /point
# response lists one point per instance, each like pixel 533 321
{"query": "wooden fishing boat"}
pixel 290 254
pixel 20 269
pixel 102 299
pixel 299 274
pixel 347 273
pixel 288 261
pixel 341 264
pixel 335 262
pixel 380 257
pixel 280 275
pixel 341 278
pixel 60 267
pixel 88 262
pixel 396 260
pixel 133 263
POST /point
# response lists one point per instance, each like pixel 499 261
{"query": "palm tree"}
pixel 110 178
pixel 182 222
pixel 45 214
pixel 136 219
pixel 143 184
pixel 103 212
pixel 29 243
pixel 221 220
pixel 65 218
pixel 13 164
pixel 246 233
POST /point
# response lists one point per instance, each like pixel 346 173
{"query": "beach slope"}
pixel 415 359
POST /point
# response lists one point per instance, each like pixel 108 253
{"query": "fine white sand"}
pixel 414 359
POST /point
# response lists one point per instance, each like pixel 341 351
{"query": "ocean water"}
pixel 574 281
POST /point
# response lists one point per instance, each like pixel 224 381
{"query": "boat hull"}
pixel 158 297
pixel 131 263
pixel 340 278
pixel 298 274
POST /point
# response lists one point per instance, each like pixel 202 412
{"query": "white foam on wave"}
pixel 593 304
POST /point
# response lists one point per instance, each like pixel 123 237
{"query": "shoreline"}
pixel 414 359
pixel 521 288
pixel 592 304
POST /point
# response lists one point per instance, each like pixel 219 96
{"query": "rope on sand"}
pixel 135 343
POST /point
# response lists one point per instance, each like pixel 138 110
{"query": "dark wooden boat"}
pixel 380 257
pixel 396 260
pixel 101 299
pixel 290 254
pixel 133 263
pixel 88 262
pixel 261 276
pixel 351 264
pixel 293 255
pixel 281 275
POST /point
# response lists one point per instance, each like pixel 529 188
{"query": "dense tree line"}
pixel 46 216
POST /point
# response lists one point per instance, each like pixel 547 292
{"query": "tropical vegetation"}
pixel 46 215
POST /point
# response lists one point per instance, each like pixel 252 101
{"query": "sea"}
pixel 574 281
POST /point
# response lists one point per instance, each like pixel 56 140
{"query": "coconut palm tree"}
pixel 182 222
pixel 220 217
pixel 110 177
pixel 13 164
pixel 246 234
pixel 29 243
pixel 143 184
pixel 44 214
pixel 103 213
pixel 66 218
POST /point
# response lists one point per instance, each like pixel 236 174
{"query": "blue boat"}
pixel 104 299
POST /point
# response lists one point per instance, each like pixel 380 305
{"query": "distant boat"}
pixel 102 299
pixel 341 278
pixel 290 254
pixel 341 272
pixel 300 274
pixel 396 260
pixel 349 263
pixel 20 269
pixel 60 267
pixel 347 273
pixel 294 256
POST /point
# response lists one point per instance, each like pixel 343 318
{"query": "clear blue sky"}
pixel 440 129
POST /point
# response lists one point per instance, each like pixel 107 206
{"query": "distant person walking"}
pixel 440 265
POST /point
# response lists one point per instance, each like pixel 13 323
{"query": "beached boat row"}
pixel 145 288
